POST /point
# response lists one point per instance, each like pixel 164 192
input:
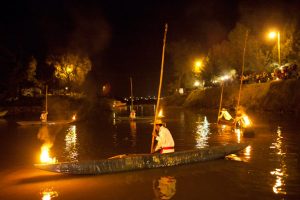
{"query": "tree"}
pixel 70 68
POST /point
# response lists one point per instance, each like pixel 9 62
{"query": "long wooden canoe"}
pixel 142 161
pixel 57 122
pixel 135 119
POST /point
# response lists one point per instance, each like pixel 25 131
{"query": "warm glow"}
pixel 45 157
pixel 74 117
pixel 197 83
pixel 49 194
pixel 246 121
pixel 224 78
pixel 69 69
pixel 198 66
pixel 272 35
pixel 160 113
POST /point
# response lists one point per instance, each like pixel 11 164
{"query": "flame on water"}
pixel 160 113
pixel 49 194
pixel 45 156
pixel 247 121
pixel 74 117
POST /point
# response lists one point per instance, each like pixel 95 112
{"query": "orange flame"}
pixel 74 117
pixel 45 157
pixel 160 113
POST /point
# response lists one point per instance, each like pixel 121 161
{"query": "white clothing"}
pixel 165 141
pixel 225 114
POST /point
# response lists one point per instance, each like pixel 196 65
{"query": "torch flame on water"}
pixel 45 157
pixel 160 113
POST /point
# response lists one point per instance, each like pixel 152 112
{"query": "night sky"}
pixel 122 38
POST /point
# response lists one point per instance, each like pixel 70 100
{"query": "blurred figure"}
pixel 43 117
pixel 164 187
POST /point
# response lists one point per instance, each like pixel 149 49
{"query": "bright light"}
pixel 272 35
pixel 181 91
pixel 198 66
pixel 224 78
pixel 45 157
pixel 74 117
pixel 197 83
pixel 49 194
pixel 246 121
pixel 160 113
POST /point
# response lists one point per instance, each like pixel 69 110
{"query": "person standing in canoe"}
pixel 43 117
pixel 165 142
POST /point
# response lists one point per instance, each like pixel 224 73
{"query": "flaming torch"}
pixel 45 157
pixel 160 114
pixel 74 117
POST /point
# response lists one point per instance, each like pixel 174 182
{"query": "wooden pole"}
pixel 242 73
pixel 131 93
pixel 160 84
pixel 242 76
pixel 221 98
pixel 46 101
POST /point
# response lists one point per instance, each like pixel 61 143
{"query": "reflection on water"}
pixel 164 187
pixel 71 148
pixel 244 156
pixel 279 173
pixel 133 132
pixel 48 194
pixel 202 133
pixel 238 135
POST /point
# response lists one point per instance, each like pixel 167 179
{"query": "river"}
pixel 267 169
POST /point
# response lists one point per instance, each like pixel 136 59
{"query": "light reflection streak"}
pixel 133 132
pixel 48 194
pixel 71 148
pixel 164 187
pixel 202 133
pixel 281 172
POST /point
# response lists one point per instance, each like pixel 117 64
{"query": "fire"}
pixel 74 117
pixel 45 157
pixel 246 121
pixel 160 114
pixel 49 194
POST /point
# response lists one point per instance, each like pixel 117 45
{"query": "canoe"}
pixel 135 119
pixel 58 122
pixel 132 162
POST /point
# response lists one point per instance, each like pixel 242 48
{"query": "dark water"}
pixel 267 169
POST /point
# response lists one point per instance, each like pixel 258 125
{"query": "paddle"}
pixel 160 83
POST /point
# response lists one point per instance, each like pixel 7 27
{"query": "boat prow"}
pixel 142 161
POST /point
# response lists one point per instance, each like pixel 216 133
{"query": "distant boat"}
pixel 134 162
pixel 46 122
pixel 57 122
pixel 3 113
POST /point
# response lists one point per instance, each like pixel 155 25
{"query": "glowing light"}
pixel 197 84
pixel 74 117
pixel 224 78
pixel 48 194
pixel 45 156
pixel 160 113
pixel 272 35
pixel 198 66
pixel 279 173
pixel 71 149
pixel 246 120
pixel 202 133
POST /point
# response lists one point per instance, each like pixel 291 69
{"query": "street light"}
pixel 197 66
pixel 272 35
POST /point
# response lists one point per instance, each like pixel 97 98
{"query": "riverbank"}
pixel 281 96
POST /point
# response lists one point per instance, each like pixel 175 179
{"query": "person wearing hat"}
pixel 43 117
pixel 165 142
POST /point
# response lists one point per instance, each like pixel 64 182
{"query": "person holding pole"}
pixel 165 142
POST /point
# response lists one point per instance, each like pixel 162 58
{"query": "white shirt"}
pixel 164 140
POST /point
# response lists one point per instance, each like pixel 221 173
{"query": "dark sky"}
pixel 122 38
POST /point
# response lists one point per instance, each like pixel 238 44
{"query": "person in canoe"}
pixel 225 117
pixel 165 142
pixel 43 117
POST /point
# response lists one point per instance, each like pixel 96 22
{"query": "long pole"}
pixel 221 98
pixel 131 93
pixel 278 40
pixel 46 100
pixel 160 83
pixel 242 73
